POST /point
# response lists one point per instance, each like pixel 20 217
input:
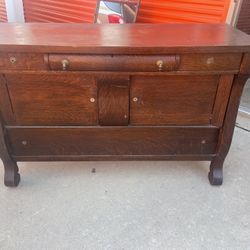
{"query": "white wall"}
pixel 14 9
pixel 233 12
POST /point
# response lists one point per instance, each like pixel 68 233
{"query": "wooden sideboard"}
pixel 119 92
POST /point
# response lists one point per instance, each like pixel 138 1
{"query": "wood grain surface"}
pixel 53 100
pixel 112 141
pixel 125 39
pixel 173 100
pixel 113 100
pixel 126 92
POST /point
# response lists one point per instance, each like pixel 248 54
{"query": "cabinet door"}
pixel 56 99
pixel 113 100
pixel 177 100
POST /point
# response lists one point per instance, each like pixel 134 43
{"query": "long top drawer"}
pixel 142 63
pixel 120 63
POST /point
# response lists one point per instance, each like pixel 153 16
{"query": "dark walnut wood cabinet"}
pixel 119 92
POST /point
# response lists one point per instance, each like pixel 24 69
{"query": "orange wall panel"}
pixel 3 15
pixel 183 11
pixel 59 11
pixel 151 11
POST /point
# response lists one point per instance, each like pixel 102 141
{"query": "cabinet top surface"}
pixel 128 38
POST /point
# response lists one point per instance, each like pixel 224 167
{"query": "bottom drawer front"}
pixel 112 141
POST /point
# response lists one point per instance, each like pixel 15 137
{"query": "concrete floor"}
pixel 129 205
pixel 245 99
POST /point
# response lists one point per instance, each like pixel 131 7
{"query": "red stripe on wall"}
pixel 3 15
pixel 60 11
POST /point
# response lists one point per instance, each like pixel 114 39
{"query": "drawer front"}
pixel 172 100
pixel 114 63
pixel 22 61
pixel 53 99
pixel 108 141
pixel 210 62
pixel 133 63
pixel 157 63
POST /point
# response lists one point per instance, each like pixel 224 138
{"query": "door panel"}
pixel 172 100
pixel 113 100
pixel 58 99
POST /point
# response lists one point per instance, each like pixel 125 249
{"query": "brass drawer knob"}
pixel 92 99
pixel 65 64
pixel 210 61
pixel 13 60
pixel 160 65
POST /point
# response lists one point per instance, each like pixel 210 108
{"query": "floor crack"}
pixel 245 129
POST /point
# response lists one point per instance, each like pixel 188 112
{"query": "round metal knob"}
pixel 92 99
pixel 160 65
pixel 65 64
pixel 24 143
pixel 13 60
pixel 210 61
pixel 203 142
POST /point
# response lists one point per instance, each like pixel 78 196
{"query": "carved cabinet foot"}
pixel 215 175
pixel 11 175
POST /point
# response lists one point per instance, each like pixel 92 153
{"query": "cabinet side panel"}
pixel 221 101
pixel 5 103
pixel 245 65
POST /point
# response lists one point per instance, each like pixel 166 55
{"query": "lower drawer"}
pixel 121 141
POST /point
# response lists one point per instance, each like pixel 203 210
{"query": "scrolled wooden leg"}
pixel 215 174
pixel 11 174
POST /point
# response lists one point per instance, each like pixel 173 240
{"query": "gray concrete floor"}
pixel 129 205
pixel 245 99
